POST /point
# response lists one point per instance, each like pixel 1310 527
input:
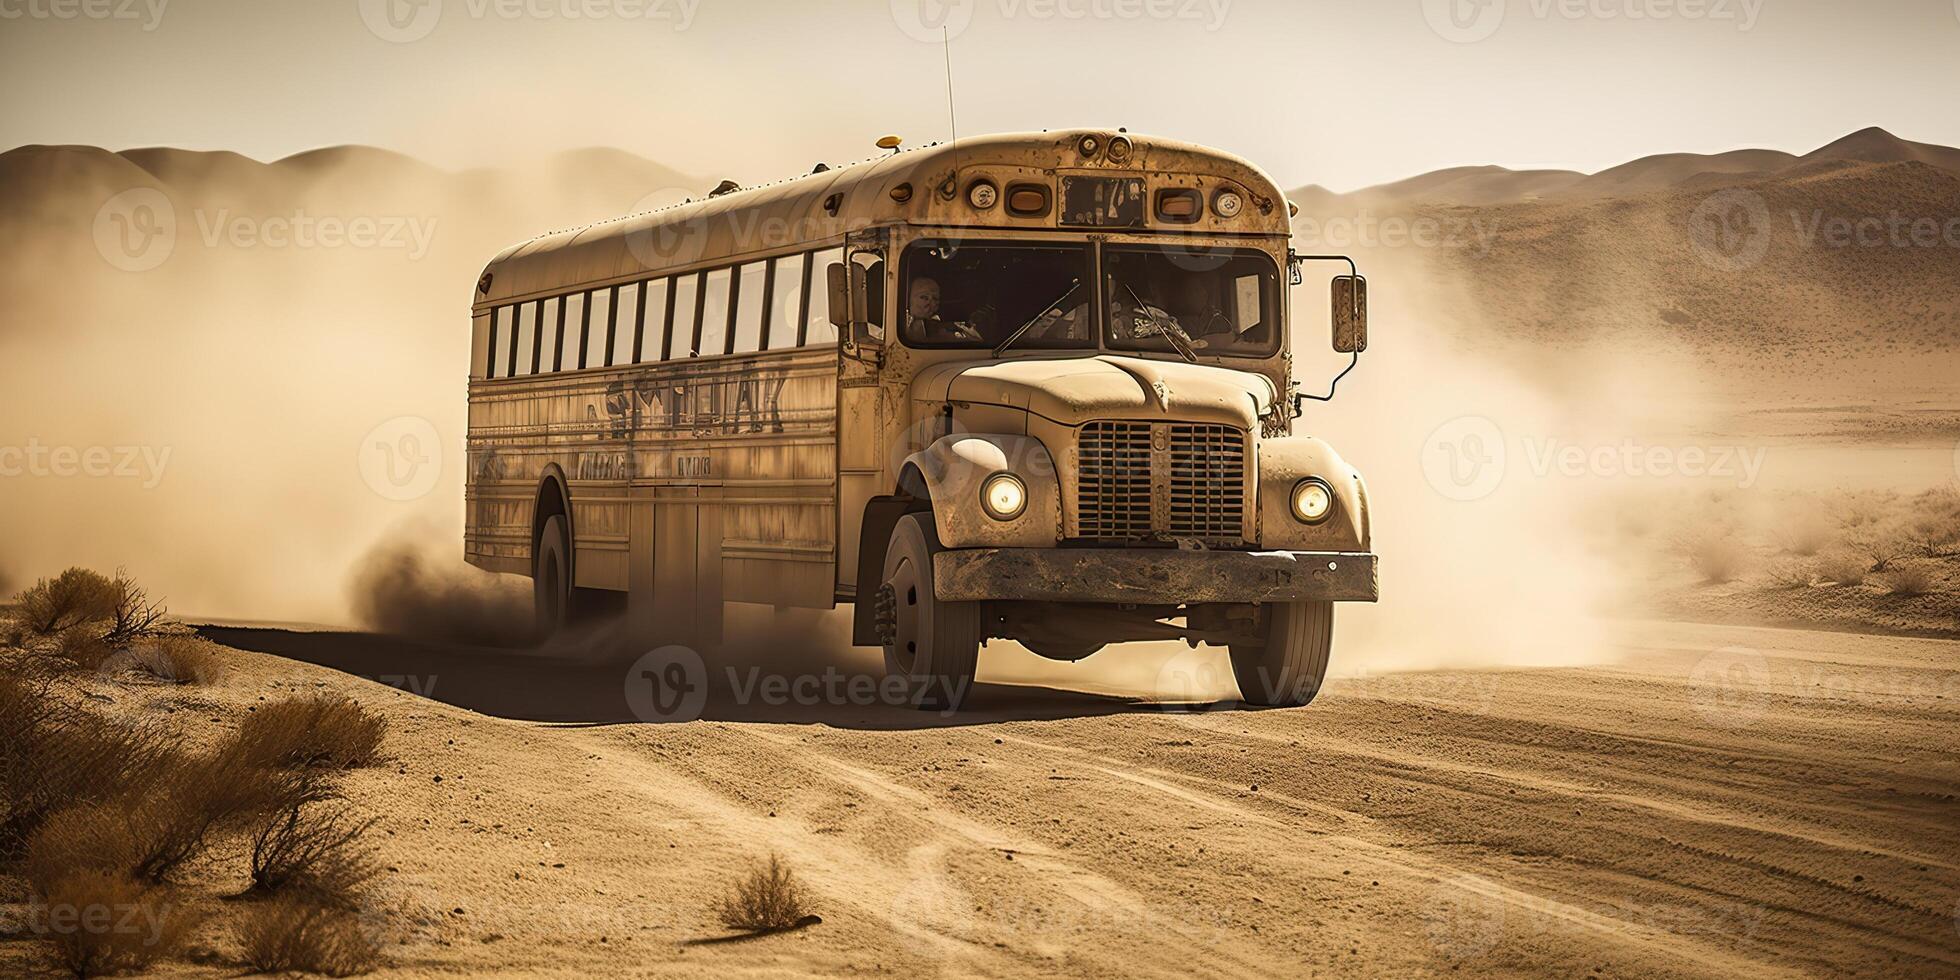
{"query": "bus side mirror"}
pixel 849 302
pixel 837 277
pixel 1350 314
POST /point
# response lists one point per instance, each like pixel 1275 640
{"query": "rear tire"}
pixel 1287 670
pixel 551 578
pixel 934 645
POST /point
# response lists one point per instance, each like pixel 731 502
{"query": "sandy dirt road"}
pixel 1722 801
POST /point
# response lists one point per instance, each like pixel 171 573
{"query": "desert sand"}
pixel 1716 801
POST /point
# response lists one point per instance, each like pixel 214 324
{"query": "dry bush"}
pixel 1717 556
pixel 133 614
pixel 288 934
pixel 1880 548
pixel 149 833
pixel 54 756
pixel 72 598
pixel 104 923
pixel 1790 574
pixel 769 898
pixel 316 852
pixel 83 647
pixel 1841 569
pixel 325 731
pixel 1916 580
pixel 178 660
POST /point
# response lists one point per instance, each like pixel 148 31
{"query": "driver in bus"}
pixel 922 311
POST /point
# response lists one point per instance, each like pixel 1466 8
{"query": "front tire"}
pixel 934 645
pixel 551 578
pixel 1287 669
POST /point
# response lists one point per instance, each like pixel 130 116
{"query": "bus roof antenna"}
pixel 952 117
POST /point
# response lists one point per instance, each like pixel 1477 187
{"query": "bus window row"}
pixel 767 304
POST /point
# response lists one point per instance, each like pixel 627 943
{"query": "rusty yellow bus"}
pixel 1030 386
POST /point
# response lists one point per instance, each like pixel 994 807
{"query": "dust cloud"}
pixel 408 584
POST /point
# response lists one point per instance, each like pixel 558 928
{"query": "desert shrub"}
pixel 105 923
pixel 315 851
pixel 178 660
pixel 289 933
pixel 185 800
pixel 54 756
pixel 133 614
pixel 326 731
pixel 83 646
pixel 1790 574
pixel 1841 569
pixel 72 598
pixel 769 898
pixel 1881 548
pixel 1913 580
pixel 1716 556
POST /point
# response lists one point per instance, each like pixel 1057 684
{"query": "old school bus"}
pixel 1034 386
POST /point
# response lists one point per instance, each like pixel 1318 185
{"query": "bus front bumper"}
pixel 1152 575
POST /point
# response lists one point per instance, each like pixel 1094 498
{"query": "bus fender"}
pixel 956 467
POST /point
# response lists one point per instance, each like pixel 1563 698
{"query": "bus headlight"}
pixel 1004 496
pixel 1312 500
pixel 1227 204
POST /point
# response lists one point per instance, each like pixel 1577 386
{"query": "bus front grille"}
pixel 1142 481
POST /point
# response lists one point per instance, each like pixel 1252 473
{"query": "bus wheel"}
pixel 1287 669
pixel 551 579
pixel 932 644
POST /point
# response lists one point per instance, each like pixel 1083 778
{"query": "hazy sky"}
pixel 1339 92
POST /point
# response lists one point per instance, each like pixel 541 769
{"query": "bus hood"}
pixel 1074 390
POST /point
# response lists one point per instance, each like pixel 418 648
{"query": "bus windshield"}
pixel 1209 301
pixel 963 294
pixel 1155 298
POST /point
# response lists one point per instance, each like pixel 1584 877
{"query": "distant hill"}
pixel 1487 185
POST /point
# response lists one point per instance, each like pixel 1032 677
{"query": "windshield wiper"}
pixel 1167 328
pixel 1001 348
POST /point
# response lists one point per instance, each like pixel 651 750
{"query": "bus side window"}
pixel 598 329
pixel 500 341
pixel 655 297
pixel 714 313
pixel 573 357
pixel 751 295
pixel 686 319
pixel 523 357
pixel 551 338
pixel 625 325
pixel 786 301
pixel 817 326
